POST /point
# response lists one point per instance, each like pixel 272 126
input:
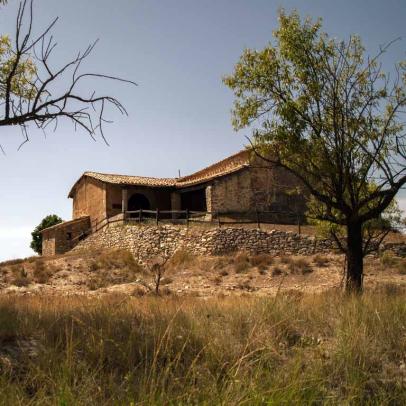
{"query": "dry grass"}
pixel 388 259
pixel 299 266
pixel 262 261
pixel 42 273
pixel 180 259
pixel 277 271
pixel 292 349
pixel 321 260
pixel 113 267
pixel 20 276
pixel 241 262
pixel 116 259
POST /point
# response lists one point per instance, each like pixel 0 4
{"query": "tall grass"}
pixel 286 350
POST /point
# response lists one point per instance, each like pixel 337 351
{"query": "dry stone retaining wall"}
pixel 150 241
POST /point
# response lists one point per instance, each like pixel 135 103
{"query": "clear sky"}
pixel 179 115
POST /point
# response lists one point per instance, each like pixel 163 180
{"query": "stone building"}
pixel 239 184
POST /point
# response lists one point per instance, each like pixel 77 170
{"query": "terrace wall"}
pixel 146 242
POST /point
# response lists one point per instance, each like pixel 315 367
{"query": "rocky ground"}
pixel 116 271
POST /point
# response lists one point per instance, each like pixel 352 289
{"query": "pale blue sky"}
pixel 180 113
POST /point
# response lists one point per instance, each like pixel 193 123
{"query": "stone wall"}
pixel 149 241
pixel 90 199
pixel 232 192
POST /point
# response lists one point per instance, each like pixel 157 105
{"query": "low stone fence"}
pixel 147 242
pixel 150 241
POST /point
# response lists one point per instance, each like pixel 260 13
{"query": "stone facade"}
pixel 238 184
pixel 237 187
pixel 63 237
pixel 146 242
pixel 90 200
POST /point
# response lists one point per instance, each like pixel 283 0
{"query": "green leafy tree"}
pixel 48 221
pixel 329 115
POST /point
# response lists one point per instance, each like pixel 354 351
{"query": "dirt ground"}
pixel 116 271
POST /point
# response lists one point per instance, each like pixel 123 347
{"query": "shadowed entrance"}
pixel 138 202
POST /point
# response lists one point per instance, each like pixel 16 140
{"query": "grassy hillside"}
pixel 104 272
pixel 290 349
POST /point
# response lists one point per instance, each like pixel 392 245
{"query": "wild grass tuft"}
pixel 292 349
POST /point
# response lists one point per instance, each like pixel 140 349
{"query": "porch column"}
pixel 209 203
pixel 124 201
pixel 176 203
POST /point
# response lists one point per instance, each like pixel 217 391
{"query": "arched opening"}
pixel 138 202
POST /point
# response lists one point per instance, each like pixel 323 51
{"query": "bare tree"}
pixel 28 79
pixel 157 267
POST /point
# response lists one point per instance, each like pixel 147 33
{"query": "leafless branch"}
pixel 35 101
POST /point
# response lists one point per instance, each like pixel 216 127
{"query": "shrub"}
pixel 181 258
pixel 116 259
pixel 113 267
pixel 217 280
pixel 284 259
pixel 245 285
pixel 388 259
pixel 300 265
pixel 241 263
pixel 41 274
pixel 401 268
pixel 21 278
pixel 95 283
pixel 166 281
pixel 276 271
pixel 321 260
pixel 261 261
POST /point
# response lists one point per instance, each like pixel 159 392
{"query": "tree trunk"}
pixel 355 264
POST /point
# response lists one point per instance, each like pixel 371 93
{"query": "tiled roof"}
pixel 226 166
pixel 130 180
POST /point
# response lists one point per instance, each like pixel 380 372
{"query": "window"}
pixel 68 236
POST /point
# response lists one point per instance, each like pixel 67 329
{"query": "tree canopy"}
pixel 325 112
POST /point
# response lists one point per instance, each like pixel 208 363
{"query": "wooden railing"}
pixel 220 218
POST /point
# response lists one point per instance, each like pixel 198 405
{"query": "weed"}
pixel 388 259
pixel 161 350
pixel 277 271
pixel 300 265
pixel 21 278
pixel 217 280
pixel 241 263
pixel 40 273
pixel 181 258
pixel 285 259
pixel 245 285
pixel 166 281
pixel 261 261
pixel 321 260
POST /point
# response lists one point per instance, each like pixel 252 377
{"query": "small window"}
pixel 68 236
pixel 117 206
